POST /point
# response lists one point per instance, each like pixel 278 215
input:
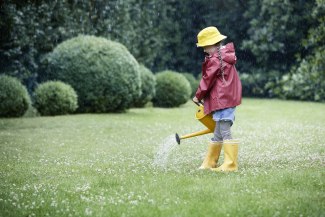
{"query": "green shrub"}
pixel 55 98
pixel 297 86
pixel 148 85
pixel 259 83
pixel 253 84
pixel 193 82
pixel 307 81
pixel 172 89
pixel 104 74
pixel 14 98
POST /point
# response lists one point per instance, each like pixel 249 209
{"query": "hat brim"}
pixel 211 41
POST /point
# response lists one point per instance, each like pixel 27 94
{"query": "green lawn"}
pixel 102 164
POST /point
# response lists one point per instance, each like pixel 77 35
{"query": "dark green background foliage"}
pixel 148 86
pixel 14 98
pixel 260 83
pixel 306 81
pixel 104 74
pixel 193 82
pixel 55 98
pixel 269 35
pixel 172 89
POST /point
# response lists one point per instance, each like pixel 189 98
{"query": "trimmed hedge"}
pixel 104 74
pixel 172 89
pixel 148 85
pixel 14 98
pixel 55 98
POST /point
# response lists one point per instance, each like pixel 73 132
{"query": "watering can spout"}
pixel 206 120
pixel 199 133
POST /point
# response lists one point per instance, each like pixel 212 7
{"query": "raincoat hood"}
pixel 227 53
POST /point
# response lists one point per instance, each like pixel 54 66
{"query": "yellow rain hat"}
pixel 209 36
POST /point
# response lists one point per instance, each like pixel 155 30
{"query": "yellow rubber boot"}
pixel 212 156
pixel 231 155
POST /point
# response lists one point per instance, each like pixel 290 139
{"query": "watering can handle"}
pixel 198 103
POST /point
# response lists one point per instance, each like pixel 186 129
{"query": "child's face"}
pixel 210 49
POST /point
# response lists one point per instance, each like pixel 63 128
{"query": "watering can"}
pixel 205 119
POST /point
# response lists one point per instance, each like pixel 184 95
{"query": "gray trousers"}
pixel 222 131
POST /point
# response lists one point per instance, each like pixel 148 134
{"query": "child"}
pixel 221 90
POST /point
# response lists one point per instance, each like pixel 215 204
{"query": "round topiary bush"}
pixel 104 74
pixel 14 98
pixel 172 89
pixel 55 98
pixel 148 85
pixel 193 82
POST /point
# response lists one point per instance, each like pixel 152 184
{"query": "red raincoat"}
pixel 217 91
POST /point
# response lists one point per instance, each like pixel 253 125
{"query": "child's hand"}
pixel 195 99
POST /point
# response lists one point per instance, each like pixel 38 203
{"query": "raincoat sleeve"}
pixel 208 79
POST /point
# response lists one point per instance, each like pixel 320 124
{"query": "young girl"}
pixel 220 89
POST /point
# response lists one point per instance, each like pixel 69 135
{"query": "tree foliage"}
pixel 306 81
pixel 269 35
pixel 275 33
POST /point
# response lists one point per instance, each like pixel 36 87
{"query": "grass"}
pixel 102 164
